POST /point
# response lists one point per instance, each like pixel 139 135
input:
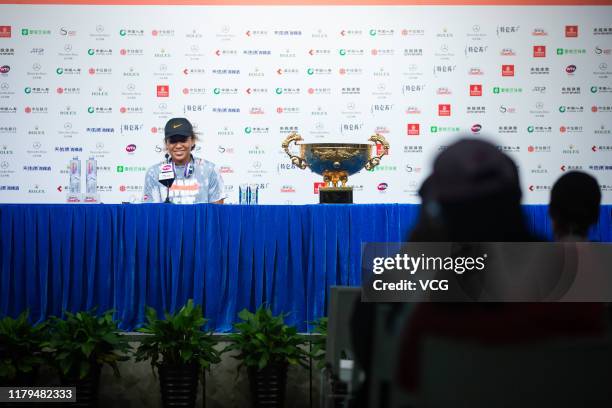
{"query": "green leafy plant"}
pixel 263 339
pixel 178 339
pixel 20 346
pixel 319 341
pixel 83 341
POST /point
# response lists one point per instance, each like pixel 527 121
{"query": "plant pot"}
pixel 179 385
pixel 20 380
pixel 268 386
pixel 86 388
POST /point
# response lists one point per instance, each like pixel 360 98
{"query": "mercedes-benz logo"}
pixel 319 126
pixel 444 48
pixel 99 145
pixel 540 105
pixel 381 87
pixel 4 165
pixel 412 67
pixel 476 28
pixel 131 87
pixel 99 28
pixel 350 106
pixel 36 66
pixel 4 86
pixel 68 47
pixel 163 67
pixel 68 126
pixel 36 145
pixel 257 165
pixel 225 29
pixel 163 106
pixel 603 66
pixel 195 48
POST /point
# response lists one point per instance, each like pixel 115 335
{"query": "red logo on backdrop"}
pixel 570 69
pixel 163 91
pixel 122 188
pixel 508 70
pixel 4 69
pixel 122 109
pixel 380 149
pixel 60 90
pixel 130 148
pixel 185 91
pixel 571 31
pixel 123 51
pixel 562 129
pixel 530 149
pixel 414 129
pixel 382 186
pixel 342 71
pixel 154 33
pixel 28 109
pixel 279 110
pixel 444 110
pixel 92 71
pixel 476 128
pixel 476 90
pixel 539 51
pixel 594 109
pixel 5 31
pixel 154 130
pixel 311 91
pixel 318 185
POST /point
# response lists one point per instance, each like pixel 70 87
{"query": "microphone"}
pixel 166 177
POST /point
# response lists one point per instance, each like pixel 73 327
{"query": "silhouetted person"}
pixel 473 195
pixel 574 206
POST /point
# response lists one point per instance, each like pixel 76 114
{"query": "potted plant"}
pixel 266 345
pixel 20 350
pixel 180 350
pixel 79 345
pixel 339 389
pixel 319 342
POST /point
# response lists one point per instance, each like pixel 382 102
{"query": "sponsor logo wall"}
pixel 101 82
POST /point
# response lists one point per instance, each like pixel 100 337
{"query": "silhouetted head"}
pixel 474 192
pixel 574 204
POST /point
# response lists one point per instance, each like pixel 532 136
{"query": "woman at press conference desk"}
pixel 182 178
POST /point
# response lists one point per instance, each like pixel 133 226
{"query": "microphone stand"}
pixel 167 200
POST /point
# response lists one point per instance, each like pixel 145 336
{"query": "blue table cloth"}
pixel 225 257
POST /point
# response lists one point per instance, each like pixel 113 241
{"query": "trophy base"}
pixel 335 195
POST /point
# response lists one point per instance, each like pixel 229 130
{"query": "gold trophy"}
pixel 335 162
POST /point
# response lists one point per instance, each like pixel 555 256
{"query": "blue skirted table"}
pixel 225 257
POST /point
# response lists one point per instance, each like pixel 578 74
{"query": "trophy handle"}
pixel 297 160
pixel 375 161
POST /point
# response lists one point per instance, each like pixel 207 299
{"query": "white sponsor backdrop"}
pixel 101 81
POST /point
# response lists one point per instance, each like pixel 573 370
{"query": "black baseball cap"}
pixel 180 127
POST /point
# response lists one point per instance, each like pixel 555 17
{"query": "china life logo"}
pixel 5 31
pixel 163 91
